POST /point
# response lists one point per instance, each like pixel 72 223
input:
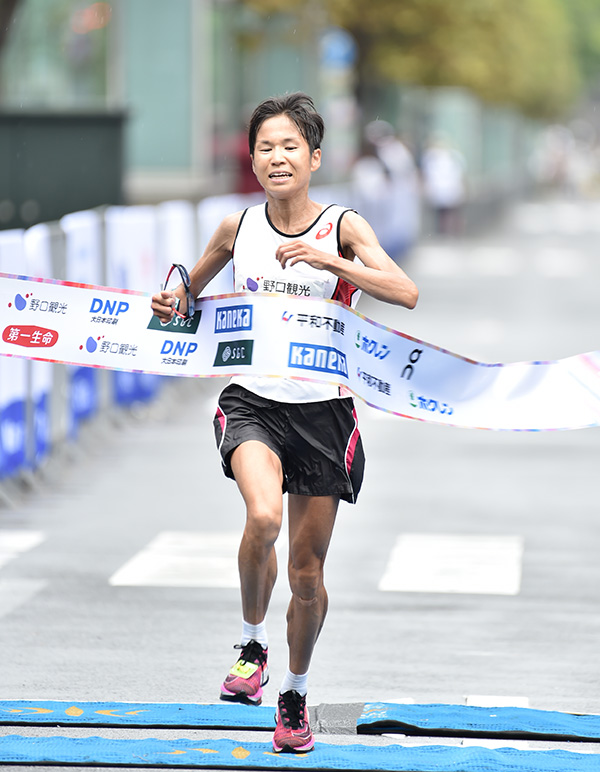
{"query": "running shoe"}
pixel 292 732
pixel 247 677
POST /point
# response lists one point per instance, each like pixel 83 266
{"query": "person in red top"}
pixel 285 435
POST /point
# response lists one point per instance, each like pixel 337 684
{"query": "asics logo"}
pixel 325 231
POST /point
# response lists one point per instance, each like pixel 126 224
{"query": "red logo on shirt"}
pixel 325 231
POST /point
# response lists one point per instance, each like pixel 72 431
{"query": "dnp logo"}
pixel 108 307
pixel 324 359
pixel 233 319
pixel 178 348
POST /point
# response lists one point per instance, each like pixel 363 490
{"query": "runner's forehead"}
pixel 279 128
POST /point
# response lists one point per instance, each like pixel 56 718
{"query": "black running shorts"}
pixel 318 443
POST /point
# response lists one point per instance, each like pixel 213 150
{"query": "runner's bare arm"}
pixel 215 257
pixel 379 276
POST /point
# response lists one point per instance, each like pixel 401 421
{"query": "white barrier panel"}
pixel 83 264
pixel 13 374
pixel 83 247
pixel 177 236
pixel 38 262
pixel 131 245
pixel 287 336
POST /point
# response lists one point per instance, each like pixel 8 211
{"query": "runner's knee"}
pixel 305 584
pixel 263 526
pixel 306 601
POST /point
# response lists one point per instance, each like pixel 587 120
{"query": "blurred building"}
pixel 183 77
pixel 139 101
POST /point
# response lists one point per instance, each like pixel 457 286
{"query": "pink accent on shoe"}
pixel 249 674
pixel 292 731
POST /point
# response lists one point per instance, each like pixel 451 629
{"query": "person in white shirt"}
pixel 278 435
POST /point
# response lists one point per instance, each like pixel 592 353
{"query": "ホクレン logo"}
pixel 426 403
pixel 370 346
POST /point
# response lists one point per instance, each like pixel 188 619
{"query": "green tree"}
pixel 517 52
pixel 584 17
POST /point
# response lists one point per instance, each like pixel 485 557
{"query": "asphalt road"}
pixel 104 593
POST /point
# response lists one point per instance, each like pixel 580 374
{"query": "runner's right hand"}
pixel 162 305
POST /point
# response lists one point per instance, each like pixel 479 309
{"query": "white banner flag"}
pixel 292 337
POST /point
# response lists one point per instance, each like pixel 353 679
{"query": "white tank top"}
pixel 257 270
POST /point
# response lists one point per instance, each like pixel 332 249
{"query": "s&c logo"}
pixel 177 325
pixel 233 353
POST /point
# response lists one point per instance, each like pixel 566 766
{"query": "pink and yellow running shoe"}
pixel 292 732
pixel 247 677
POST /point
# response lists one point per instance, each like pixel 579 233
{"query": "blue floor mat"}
pixel 228 754
pixel 136 714
pixel 471 721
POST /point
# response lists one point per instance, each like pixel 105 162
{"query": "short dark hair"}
pixel 299 108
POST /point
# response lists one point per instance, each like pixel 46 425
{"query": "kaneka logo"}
pixel 30 336
pixel 324 359
pixel 233 353
pixel 233 318
pixel 325 231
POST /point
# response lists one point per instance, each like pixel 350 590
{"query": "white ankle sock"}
pixel 254 632
pixel 298 683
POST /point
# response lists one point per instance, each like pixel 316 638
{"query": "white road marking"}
pixel 569 218
pixel 532 218
pixel 564 217
pixel 499 261
pixel 15 542
pixel 184 559
pixel 496 701
pixel 454 563
pixel 438 260
pixel 556 263
pixel 481 742
pixel 16 592
pixel 496 261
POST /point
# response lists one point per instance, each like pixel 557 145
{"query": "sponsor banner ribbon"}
pixel 286 336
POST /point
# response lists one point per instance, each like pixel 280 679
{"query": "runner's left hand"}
pixel 298 251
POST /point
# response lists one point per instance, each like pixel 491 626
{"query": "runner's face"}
pixel 282 159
